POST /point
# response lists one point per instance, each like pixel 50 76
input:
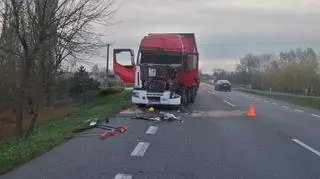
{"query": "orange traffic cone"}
pixel 251 112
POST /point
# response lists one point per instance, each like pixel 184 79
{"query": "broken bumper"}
pixel 165 98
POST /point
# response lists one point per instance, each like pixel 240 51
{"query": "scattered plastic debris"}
pixel 168 116
pixel 161 116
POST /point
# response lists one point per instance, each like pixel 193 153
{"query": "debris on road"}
pixel 151 109
pixel 130 111
pixel 106 134
pixel 108 130
pixel 161 116
pixel 217 113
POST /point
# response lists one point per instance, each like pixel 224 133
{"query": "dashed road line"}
pixel 152 130
pixel 266 101
pixel 298 110
pixel 285 107
pixel 258 99
pixel 275 104
pixel 140 149
pixel 229 103
pixel 315 115
pixel 123 176
pixel 306 146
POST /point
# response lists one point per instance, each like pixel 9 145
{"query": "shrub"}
pixel 110 90
pixel 81 82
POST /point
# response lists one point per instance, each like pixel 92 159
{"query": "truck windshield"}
pixel 160 58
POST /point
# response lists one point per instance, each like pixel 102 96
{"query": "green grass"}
pixel 14 153
pixel 129 85
pixel 301 101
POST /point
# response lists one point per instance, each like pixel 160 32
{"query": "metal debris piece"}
pixel 162 116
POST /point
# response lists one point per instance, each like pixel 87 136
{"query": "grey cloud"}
pixel 224 28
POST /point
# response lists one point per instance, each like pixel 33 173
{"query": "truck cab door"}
pixel 123 64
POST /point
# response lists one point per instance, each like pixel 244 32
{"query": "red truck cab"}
pixel 166 71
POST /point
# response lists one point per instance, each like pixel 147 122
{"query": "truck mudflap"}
pixel 165 98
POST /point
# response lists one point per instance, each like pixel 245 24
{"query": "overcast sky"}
pixel 225 29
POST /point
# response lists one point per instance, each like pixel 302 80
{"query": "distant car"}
pixel 223 85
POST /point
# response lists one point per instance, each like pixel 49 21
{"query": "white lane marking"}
pixel 123 176
pixel 315 115
pixel 258 99
pixel 152 130
pixel 275 104
pixel 266 101
pixel 306 146
pixel 298 110
pixel 140 149
pixel 285 107
pixel 229 103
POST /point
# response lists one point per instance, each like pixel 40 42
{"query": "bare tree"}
pixel 48 32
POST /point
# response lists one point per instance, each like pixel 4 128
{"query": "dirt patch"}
pixel 217 113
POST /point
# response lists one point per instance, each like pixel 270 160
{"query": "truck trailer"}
pixel 166 71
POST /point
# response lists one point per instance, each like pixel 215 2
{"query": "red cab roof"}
pixel 170 42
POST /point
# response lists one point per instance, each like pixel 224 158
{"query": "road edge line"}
pixel 225 101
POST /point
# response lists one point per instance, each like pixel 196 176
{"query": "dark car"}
pixel 223 85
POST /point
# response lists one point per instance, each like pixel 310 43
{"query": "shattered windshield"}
pixel 160 58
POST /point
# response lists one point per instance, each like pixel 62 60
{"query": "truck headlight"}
pixel 135 94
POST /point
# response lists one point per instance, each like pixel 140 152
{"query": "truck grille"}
pixel 154 94
pixel 154 99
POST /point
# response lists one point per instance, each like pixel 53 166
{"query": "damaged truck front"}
pixel 166 71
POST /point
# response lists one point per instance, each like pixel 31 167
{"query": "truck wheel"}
pixel 193 95
pixel 197 89
pixel 189 93
pixel 184 97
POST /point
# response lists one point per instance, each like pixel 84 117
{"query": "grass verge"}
pixel 301 101
pixel 14 153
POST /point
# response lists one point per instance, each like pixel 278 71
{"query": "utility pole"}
pixel 107 69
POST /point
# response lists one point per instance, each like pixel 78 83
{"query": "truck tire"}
pixel 189 93
pixel 184 96
pixel 193 94
pixel 197 89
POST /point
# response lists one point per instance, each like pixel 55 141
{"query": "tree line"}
pixel 38 37
pixel 294 71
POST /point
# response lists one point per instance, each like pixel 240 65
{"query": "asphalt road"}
pixel 217 141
